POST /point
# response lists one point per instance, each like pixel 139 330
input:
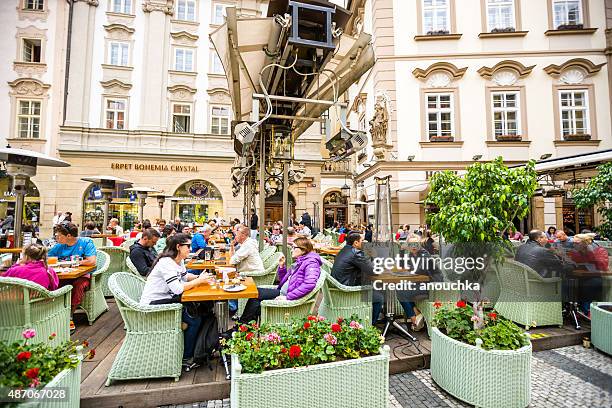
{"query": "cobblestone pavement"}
pixel 572 377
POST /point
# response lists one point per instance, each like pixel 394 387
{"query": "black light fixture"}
pixel 545 156
pixel 477 157
pixel 411 157
pixel 346 190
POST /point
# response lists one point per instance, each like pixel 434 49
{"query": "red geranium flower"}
pixel 461 303
pixel 283 350
pixel 250 335
pixel 295 351
pixel 312 318
pixel 32 372
pixel 92 354
pixel 306 325
pixel 24 355
pixel 255 326
pixel 437 304
pixel 493 315
pixel 85 343
pixel 340 320
pixel 242 328
pixel 336 328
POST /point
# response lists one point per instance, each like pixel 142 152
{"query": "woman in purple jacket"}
pixel 295 283
pixel 33 267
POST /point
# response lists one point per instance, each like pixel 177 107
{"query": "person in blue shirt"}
pixel 200 241
pixel 70 244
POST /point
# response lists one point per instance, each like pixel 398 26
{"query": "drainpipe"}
pixel 66 74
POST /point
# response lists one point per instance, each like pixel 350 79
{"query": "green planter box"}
pixel 70 381
pixel 601 327
pixel 358 383
pixel 493 378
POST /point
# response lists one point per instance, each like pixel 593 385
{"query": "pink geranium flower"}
pixel 355 325
pixel 330 338
pixel 28 333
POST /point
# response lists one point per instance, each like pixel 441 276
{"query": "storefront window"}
pixel 335 208
pixel 124 206
pixel 199 202
pixel 31 207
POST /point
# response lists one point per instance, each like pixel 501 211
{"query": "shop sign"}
pixel 177 168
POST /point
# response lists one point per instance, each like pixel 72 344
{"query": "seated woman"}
pixel 169 279
pixel 295 283
pixel 168 231
pixel 33 267
pixel 593 257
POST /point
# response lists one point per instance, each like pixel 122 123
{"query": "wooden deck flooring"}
pixel 202 384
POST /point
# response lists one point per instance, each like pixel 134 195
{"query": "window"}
pixel 574 112
pixel 183 59
pixel 34 5
pixel 119 53
pixel 215 65
pixel 567 13
pixel 325 117
pixel 115 113
pixel 31 50
pixel 219 14
pixel 121 6
pixel 28 119
pixel 500 15
pixel 181 118
pixel 219 120
pixel 506 113
pixel 185 10
pixel 436 16
pixel 439 115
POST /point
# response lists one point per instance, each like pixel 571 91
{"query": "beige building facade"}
pixel 465 81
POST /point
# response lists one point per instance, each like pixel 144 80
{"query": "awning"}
pixel 571 162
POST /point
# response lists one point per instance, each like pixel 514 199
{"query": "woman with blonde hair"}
pixel 33 267
pixel 585 252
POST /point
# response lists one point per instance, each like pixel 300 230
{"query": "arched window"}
pixel 124 206
pixel 200 200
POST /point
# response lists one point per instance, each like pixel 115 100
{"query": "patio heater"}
pixel 161 199
pixel 21 165
pixel 315 216
pixel 107 184
pixel 142 193
pixel 173 201
pixel 383 228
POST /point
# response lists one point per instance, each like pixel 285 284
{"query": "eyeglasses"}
pixel 185 244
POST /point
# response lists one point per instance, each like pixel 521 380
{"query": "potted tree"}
pixel 40 375
pixel 311 362
pixel 598 192
pixel 494 351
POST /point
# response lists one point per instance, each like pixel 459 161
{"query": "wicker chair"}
pixel 267 252
pixel 153 345
pixel 132 268
pixel 27 305
pixel 527 298
pixel 99 242
pixel 344 301
pixel 282 311
pixel 264 278
pixel 93 302
pixel 117 264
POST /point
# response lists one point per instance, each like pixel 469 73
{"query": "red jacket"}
pixel 598 257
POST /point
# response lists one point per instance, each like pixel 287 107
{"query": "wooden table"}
pixel 396 276
pixel 10 250
pixel 204 292
pixel 333 251
pixel 76 273
pixel 219 263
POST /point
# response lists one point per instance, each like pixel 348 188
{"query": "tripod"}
pixel 390 321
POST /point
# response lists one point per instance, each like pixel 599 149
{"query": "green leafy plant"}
pixel 598 191
pixel 460 322
pixel 479 206
pixel 308 341
pixel 25 365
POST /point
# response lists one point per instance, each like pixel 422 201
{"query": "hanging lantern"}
pixel 346 190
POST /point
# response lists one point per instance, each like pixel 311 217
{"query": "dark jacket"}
pixel 142 258
pixel 542 260
pixel 307 220
pixel 254 222
pixel 368 234
pixel 352 267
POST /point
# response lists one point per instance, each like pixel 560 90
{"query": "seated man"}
pixel 114 228
pixel 68 245
pixel 200 240
pixel 563 241
pixel 246 258
pixel 544 261
pixel 353 268
pixel 143 253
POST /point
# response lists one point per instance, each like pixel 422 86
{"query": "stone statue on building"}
pixel 379 126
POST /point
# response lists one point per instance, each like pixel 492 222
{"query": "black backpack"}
pixel 208 337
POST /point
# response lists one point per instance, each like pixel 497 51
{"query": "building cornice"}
pixel 119 27
pixel 115 82
pixel 450 68
pixel 521 70
pixel 185 35
pixel 492 54
pixel 587 66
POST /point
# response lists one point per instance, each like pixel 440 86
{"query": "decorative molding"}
pixel 582 31
pixel 117 67
pixel 437 37
pixel 360 99
pixel 29 68
pixel 32 15
pixel 581 63
pixel 570 143
pixel 181 92
pixel 119 27
pixel 521 70
pixel 184 35
pixel 28 87
pixel 219 95
pixel 441 144
pixel 166 7
pixel 115 83
pixel 31 32
pixel 90 2
pixel 182 73
pixel 456 73
pixel 518 143
pixel 503 34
